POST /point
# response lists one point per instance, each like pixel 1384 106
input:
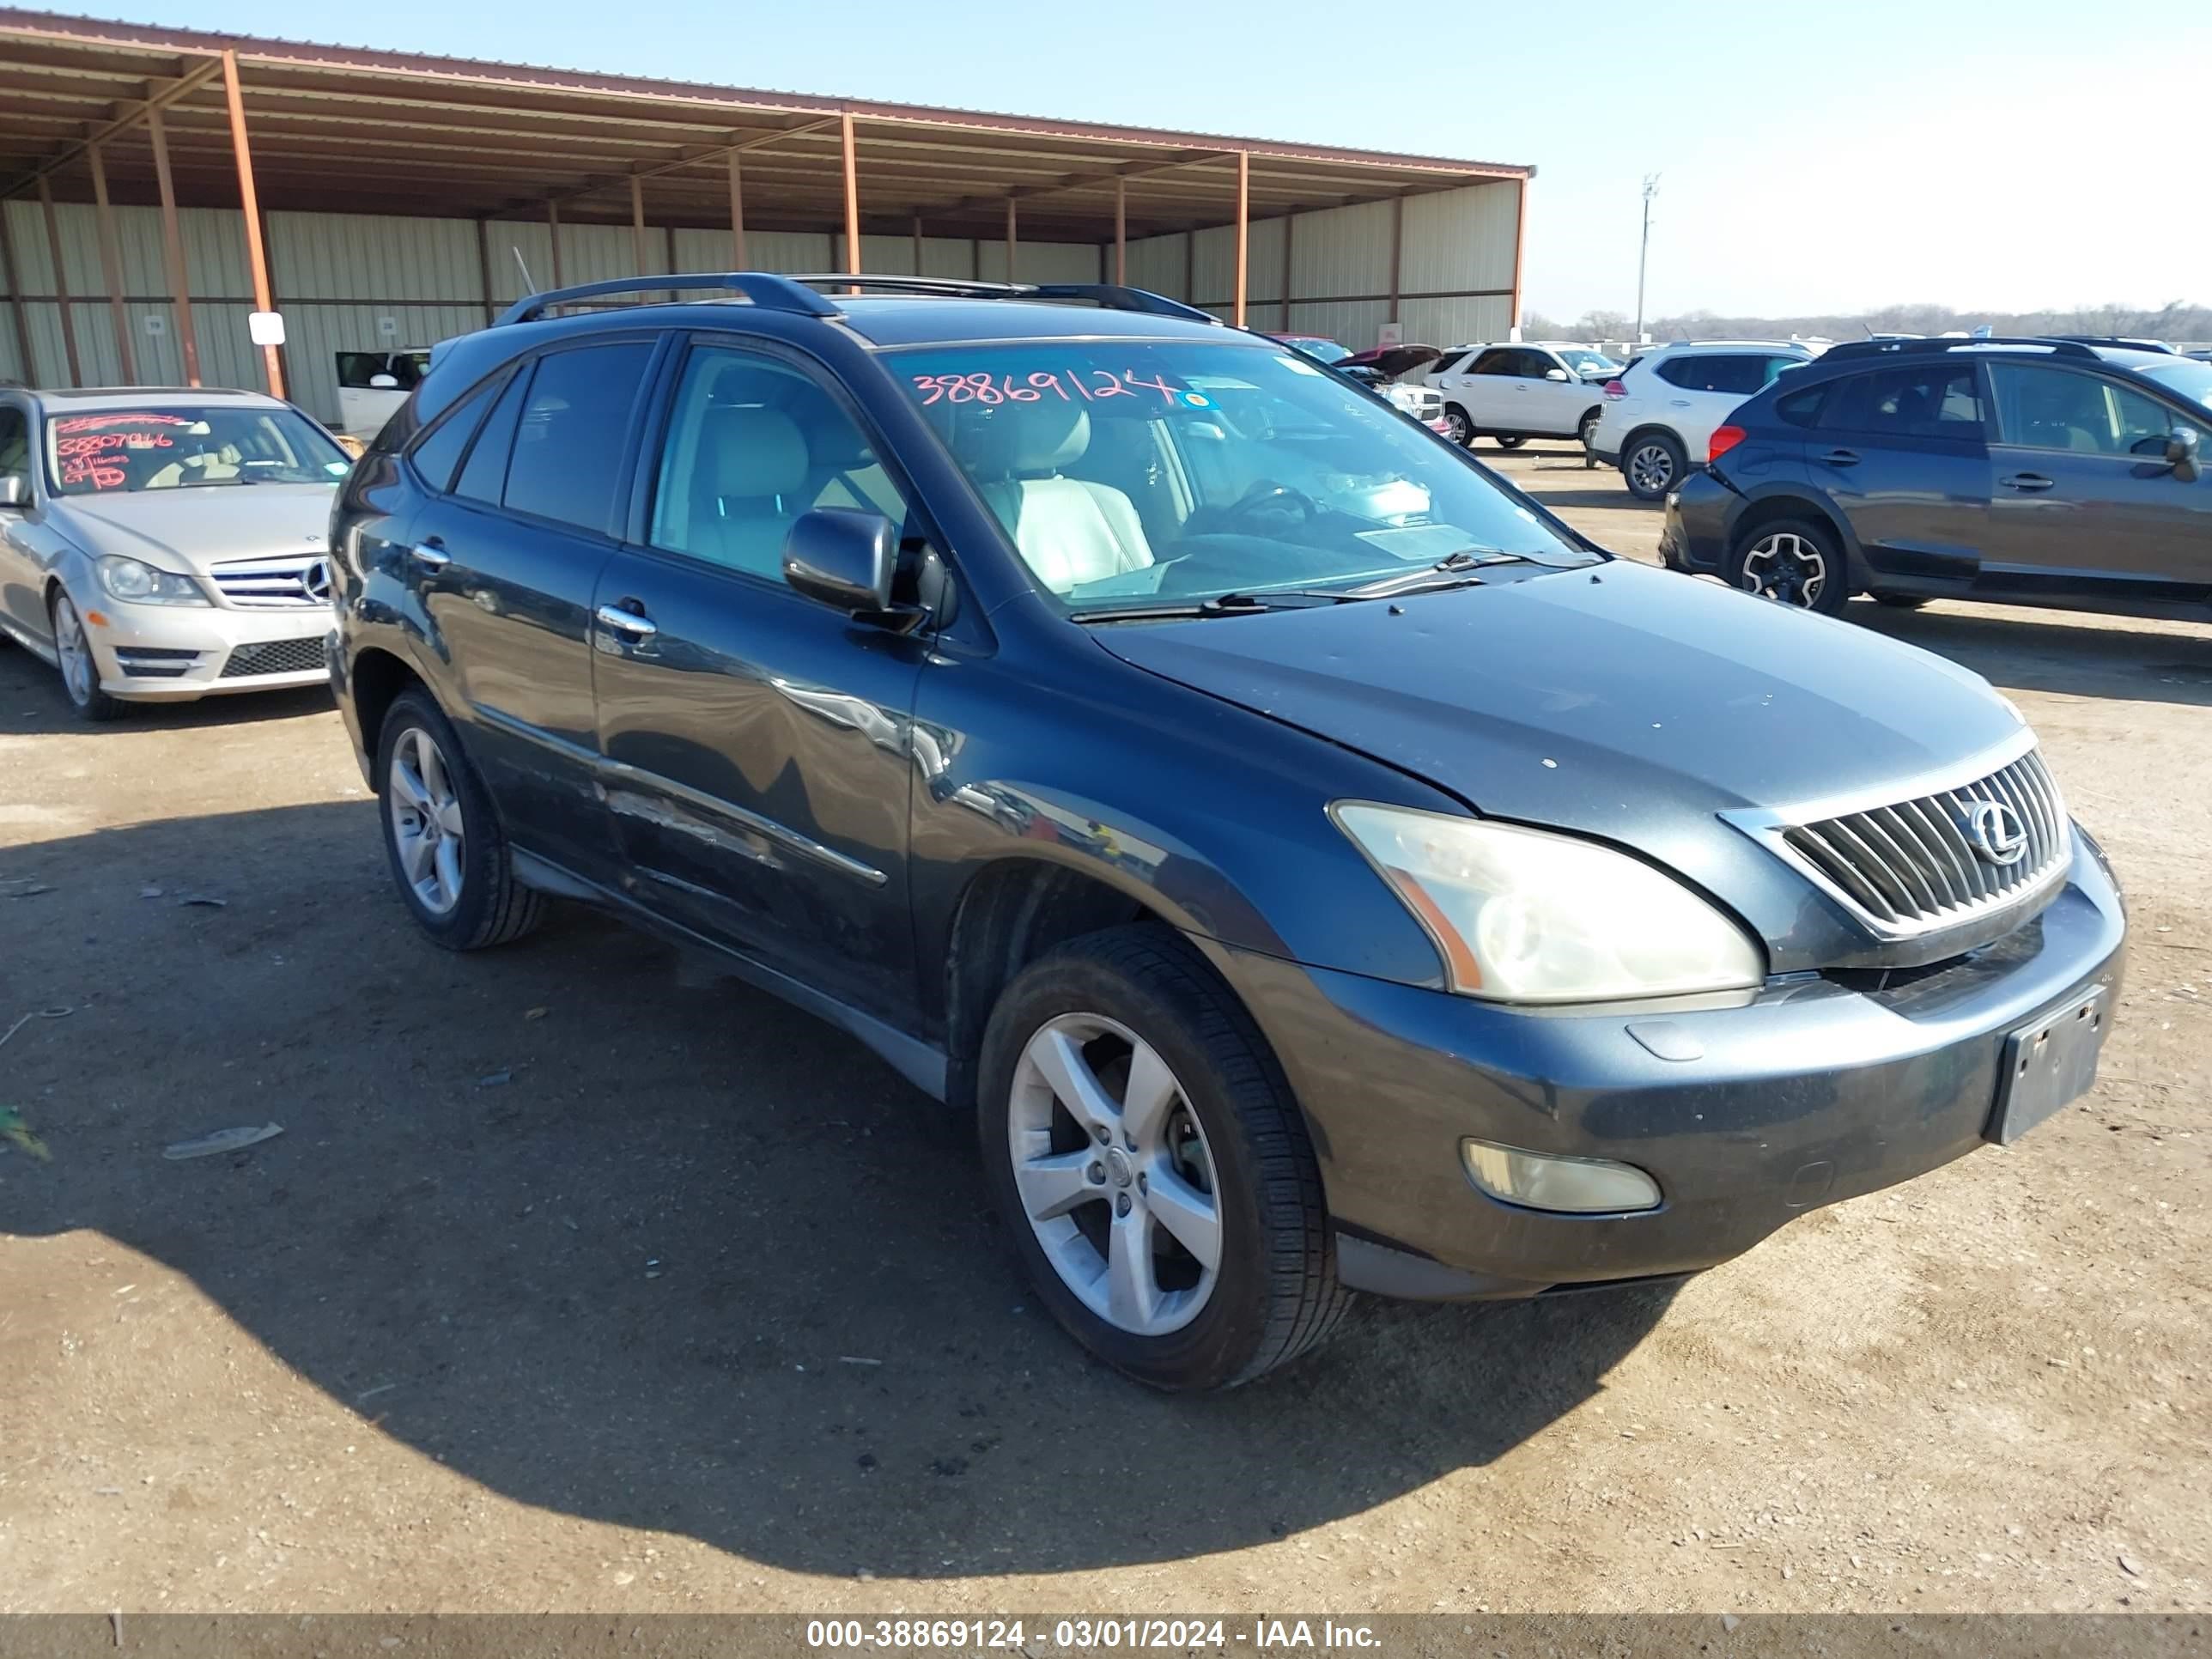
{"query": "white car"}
pixel 372 384
pixel 158 546
pixel 1514 392
pixel 1658 416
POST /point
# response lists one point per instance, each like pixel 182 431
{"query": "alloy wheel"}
pixel 1787 567
pixel 1115 1174
pixel 427 826
pixel 1461 432
pixel 79 675
pixel 1651 468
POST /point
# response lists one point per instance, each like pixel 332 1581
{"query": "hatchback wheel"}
pixel 80 672
pixel 442 837
pixel 1792 561
pixel 1653 464
pixel 1151 1165
pixel 1457 427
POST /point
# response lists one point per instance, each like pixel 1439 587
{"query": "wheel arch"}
pixel 1782 502
pixel 376 680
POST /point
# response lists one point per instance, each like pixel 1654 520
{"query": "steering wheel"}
pixel 1267 496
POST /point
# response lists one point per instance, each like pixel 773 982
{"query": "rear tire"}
pixel 1587 433
pixel 1653 463
pixel 442 835
pixel 1132 1193
pixel 1793 561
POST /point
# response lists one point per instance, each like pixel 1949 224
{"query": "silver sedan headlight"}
pixel 136 582
pixel 1524 915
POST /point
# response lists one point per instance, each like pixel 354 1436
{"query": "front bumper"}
pixel 177 653
pixel 1813 1092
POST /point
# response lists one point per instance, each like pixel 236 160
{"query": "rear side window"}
pixel 1927 400
pixel 573 428
pixel 1504 362
pixel 1736 373
pixel 439 451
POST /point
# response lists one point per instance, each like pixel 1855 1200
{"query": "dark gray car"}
pixel 1310 865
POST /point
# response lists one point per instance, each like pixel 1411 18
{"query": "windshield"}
pixel 2191 379
pixel 1587 363
pixel 1326 352
pixel 113 451
pixel 1160 474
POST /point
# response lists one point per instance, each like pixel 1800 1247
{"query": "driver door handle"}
pixel 632 623
pixel 431 555
pixel 2027 481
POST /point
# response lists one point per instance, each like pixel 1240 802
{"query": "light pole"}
pixel 1644 253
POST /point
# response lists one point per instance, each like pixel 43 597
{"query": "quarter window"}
pixel 484 475
pixel 2045 407
pixel 439 451
pixel 754 444
pixel 569 440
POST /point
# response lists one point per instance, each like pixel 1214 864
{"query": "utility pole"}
pixel 1644 253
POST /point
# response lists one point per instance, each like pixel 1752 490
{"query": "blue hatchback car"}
pixel 1311 865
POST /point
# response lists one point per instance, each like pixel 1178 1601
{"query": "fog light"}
pixel 1539 1181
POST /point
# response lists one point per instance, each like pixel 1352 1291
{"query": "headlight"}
pixel 137 583
pixel 1521 915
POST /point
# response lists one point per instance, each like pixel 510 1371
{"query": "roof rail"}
pixel 2132 343
pixel 1108 296
pixel 763 288
pixel 2057 348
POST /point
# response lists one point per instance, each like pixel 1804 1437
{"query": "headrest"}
pixel 755 453
pixel 1027 440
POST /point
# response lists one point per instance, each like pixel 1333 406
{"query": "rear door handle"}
pixel 1678 403
pixel 1840 457
pixel 619 620
pixel 2027 481
pixel 431 555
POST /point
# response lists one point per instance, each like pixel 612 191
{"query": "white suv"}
pixel 1658 419
pixel 1533 388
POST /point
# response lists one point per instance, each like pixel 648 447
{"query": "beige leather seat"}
pixel 1069 531
pixel 754 463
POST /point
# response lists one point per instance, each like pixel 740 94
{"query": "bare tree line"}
pixel 2172 322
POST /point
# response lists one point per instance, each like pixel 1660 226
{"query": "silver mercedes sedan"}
pixel 161 545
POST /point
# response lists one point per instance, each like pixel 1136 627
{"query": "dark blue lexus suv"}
pixel 2026 471
pixel 1315 866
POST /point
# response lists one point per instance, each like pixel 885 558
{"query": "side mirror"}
pixel 1559 374
pixel 2181 453
pixel 843 558
pixel 16 488
pixel 383 383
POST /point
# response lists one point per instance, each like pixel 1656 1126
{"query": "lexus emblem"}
pixel 316 579
pixel 1994 831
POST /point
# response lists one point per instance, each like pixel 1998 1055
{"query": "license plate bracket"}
pixel 2048 1063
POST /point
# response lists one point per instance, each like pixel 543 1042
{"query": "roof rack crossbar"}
pixel 764 289
pixel 1110 296
pixel 1939 343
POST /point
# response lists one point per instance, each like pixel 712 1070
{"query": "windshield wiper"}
pixel 1221 605
pixel 1453 570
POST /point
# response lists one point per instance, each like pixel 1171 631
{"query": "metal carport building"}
pixel 157 185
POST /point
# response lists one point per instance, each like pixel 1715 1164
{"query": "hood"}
pixel 1618 700
pixel 1393 361
pixel 188 530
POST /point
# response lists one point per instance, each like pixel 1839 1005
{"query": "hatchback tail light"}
pixel 1614 390
pixel 1725 438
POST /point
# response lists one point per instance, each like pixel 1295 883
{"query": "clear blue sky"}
pixel 1813 157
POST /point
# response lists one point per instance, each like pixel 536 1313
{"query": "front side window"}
pixel 112 452
pixel 753 444
pixel 1587 363
pixel 574 424
pixel 1156 474
pixel 2049 408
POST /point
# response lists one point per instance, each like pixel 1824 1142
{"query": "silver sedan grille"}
pixel 288 583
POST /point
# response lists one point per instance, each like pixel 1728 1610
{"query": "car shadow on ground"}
pixel 32 703
pixel 2057 651
pixel 613 1236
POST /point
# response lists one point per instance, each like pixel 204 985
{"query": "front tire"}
pixel 1652 464
pixel 442 837
pixel 1151 1165
pixel 1587 434
pixel 80 669
pixel 1459 429
pixel 1793 561
pixel 1900 601
pixel 1511 440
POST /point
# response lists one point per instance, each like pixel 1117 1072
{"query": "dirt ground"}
pixel 581 1278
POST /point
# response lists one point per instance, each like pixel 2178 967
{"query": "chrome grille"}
pixel 1913 866
pixel 275 657
pixel 279 584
